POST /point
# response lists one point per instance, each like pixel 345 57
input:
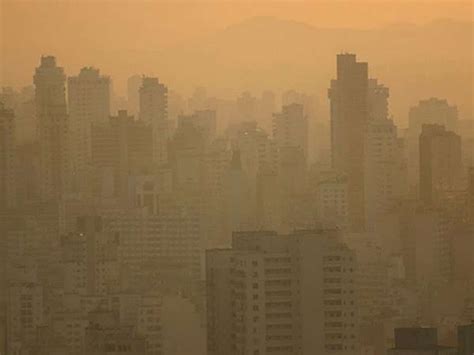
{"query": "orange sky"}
pixel 84 28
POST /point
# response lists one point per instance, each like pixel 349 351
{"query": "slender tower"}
pixel 51 114
pixel 349 116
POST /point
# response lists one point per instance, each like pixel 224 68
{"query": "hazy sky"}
pixel 80 32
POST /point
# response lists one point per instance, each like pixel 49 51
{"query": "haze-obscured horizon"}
pixel 249 46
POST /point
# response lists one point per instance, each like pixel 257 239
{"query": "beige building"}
pixel 282 294
pixel 290 128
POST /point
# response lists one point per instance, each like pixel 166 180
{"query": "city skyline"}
pixel 258 186
pixel 158 42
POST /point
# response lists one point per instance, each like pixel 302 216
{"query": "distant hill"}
pixel 416 62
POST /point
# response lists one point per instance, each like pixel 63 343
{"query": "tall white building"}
pixel 51 113
pixel 89 103
pixel 282 294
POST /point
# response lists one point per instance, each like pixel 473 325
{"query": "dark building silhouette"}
pixel 440 162
pixel 466 339
pixel 349 116
pixel 120 147
pixel 416 341
pixel 429 111
pixel 51 114
pixel 88 104
pixel 153 97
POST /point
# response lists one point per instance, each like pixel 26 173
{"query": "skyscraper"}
pixel 440 162
pixel 430 111
pixel 51 113
pixel 154 110
pixel 7 158
pixel 133 86
pixel 121 148
pixel 282 294
pixel 89 103
pixel 290 128
pixel 385 173
pixel 349 115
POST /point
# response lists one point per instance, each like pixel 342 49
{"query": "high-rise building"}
pixel 169 242
pixel 440 162
pixel 7 158
pixel 204 120
pixel 154 111
pixel 23 104
pixel 290 128
pixel 90 259
pixel 51 113
pixel 246 107
pixel 430 111
pixel 185 155
pixel 384 169
pixel 133 86
pixel 349 116
pixel 277 294
pixel 240 198
pixel 257 149
pixel 292 184
pixel 89 103
pixel 378 95
pixel 121 147
pixel 331 201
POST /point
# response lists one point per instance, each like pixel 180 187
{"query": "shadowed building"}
pixel 430 111
pixel 89 103
pixel 153 97
pixel 349 116
pixel 121 147
pixel 466 339
pixel 440 162
pixel 419 341
pixel 51 113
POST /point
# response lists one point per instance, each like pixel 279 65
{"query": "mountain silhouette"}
pixel 416 62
